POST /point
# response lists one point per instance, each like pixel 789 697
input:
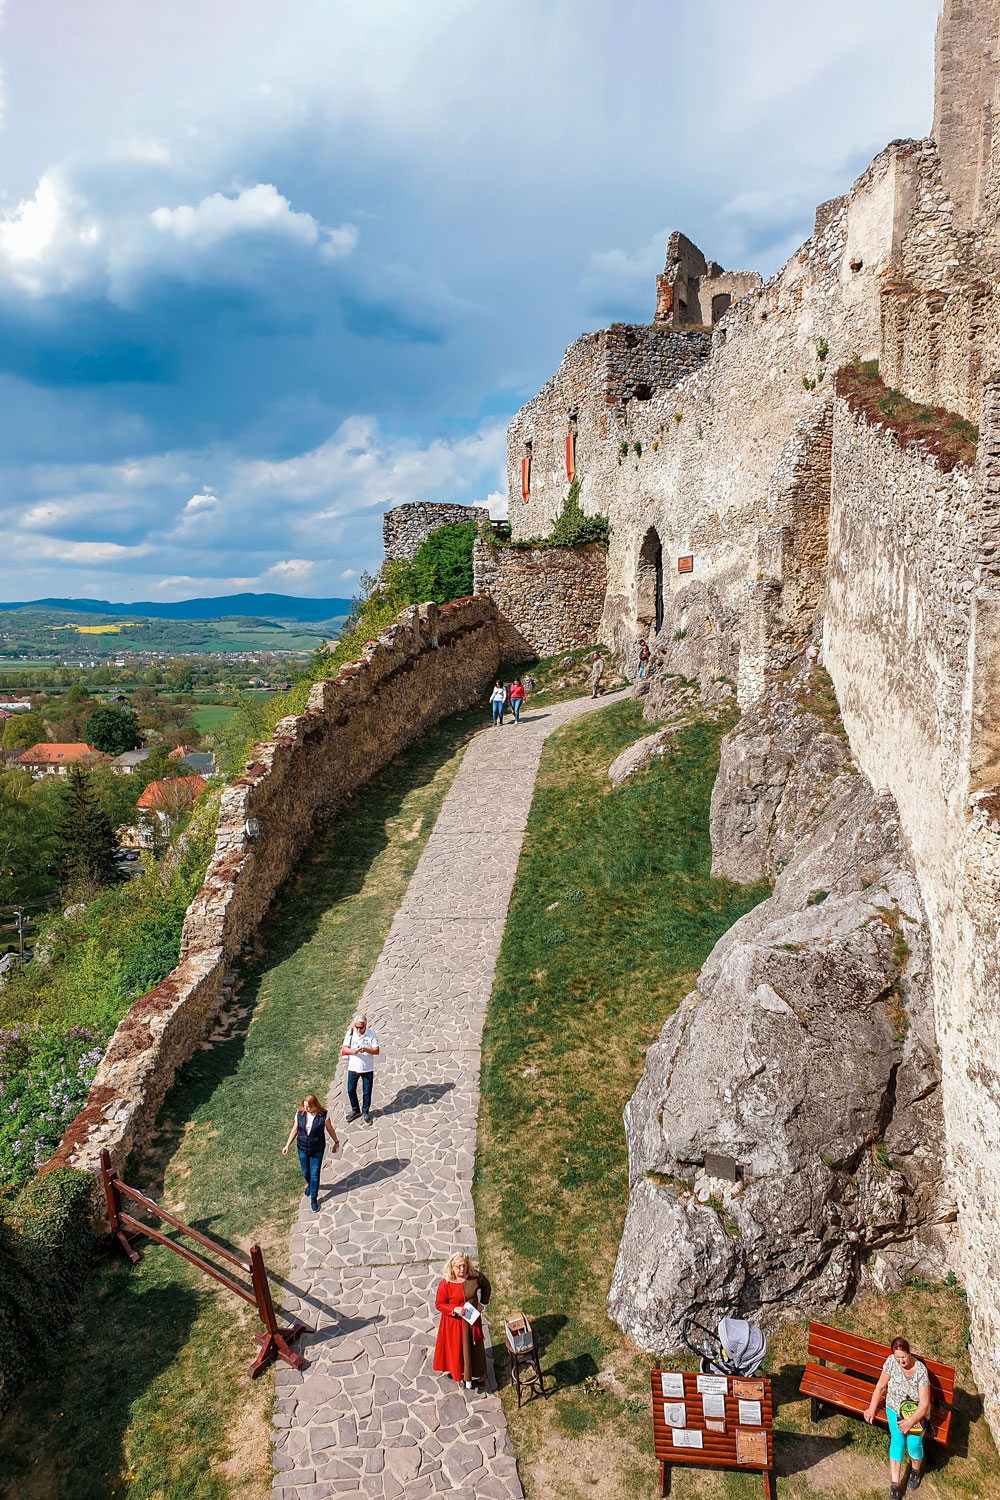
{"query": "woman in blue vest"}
pixel 309 1131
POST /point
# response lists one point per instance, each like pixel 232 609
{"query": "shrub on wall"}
pixel 45 1249
pixel 571 528
pixel 944 435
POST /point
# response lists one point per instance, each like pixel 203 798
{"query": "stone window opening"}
pixel 720 305
pixel 649 584
pixel 643 392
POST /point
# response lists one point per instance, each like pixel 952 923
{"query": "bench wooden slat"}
pixel 851 1388
pixel 867 1358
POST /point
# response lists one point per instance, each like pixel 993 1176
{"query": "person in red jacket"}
pixel 461 1296
pixel 516 696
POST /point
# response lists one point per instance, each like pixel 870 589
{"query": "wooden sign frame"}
pixel 718 1449
pixel 686 564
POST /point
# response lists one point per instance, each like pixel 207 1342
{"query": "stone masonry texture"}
pixel 552 596
pixel 368 1416
pixel 405 527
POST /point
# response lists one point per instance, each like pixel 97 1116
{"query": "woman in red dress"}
pixel 460 1351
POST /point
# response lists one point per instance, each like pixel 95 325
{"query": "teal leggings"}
pixel 914 1441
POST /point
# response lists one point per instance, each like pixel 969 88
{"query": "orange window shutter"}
pixel 525 478
pixel 570 456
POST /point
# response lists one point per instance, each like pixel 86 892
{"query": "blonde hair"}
pixel 449 1270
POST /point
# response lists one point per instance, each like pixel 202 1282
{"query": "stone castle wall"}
pixel 756 510
pixel 405 527
pixel 912 642
pixel 431 662
pixel 553 596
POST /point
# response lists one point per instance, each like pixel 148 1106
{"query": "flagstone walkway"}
pixel 368 1416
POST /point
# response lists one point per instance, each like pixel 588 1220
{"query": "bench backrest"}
pixel 863 1357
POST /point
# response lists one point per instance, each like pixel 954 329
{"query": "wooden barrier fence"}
pixel 274 1341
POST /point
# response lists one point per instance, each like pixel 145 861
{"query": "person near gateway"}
pixel 516 698
pixel 596 674
pixel 498 699
pixel 310 1129
pixel 361 1049
pixel 643 658
pixel 462 1294
pixel 906 1388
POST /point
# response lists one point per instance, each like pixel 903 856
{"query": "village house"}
pixel 55 760
pixel 162 804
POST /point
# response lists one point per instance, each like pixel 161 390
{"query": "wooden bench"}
pixel 862 1361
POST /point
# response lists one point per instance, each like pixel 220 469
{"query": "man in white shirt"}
pixel 361 1049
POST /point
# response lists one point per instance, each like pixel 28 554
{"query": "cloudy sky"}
pixel 268 266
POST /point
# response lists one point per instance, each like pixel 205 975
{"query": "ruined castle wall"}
pixel 694 463
pixel 965 82
pixel 622 366
pixel 912 642
pixel 405 527
pixel 431 662
pixel 553 596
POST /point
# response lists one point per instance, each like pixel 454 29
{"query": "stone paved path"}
pixel 368 1416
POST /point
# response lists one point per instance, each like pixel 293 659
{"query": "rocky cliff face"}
pixel 805 1055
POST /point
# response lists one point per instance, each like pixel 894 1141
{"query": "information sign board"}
pixel 713 1422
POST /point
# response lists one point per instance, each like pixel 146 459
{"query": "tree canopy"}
pixel 21 731
pixel 113 729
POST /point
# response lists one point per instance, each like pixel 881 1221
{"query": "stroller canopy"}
pixel 744 1343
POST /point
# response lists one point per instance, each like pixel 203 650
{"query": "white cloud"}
pixel 54 241
pixel 260 209
pixel 292 570
pixel 200 503
pixel 48 241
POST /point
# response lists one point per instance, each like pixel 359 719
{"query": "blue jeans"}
pixel 310 1171
pixel 366 1090
pixel 498 712
pixel 914 1441
pixel 515 708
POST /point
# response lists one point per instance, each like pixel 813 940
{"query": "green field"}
pixel 211 718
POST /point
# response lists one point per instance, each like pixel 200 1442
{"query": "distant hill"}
pixel 262 606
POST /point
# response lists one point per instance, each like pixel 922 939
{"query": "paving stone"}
pixel 368 1411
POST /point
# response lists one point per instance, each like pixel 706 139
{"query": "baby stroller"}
pixel 737 1349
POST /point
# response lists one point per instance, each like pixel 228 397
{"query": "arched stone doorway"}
pixel 649 584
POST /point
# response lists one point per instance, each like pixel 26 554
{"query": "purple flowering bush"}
pixel 44 1077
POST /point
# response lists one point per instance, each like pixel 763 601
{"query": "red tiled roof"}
pixel 176 791
pixel 58 755
pixel 180 752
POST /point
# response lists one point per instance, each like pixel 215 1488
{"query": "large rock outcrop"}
pixel 805 1055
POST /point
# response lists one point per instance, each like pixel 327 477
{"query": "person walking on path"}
pixel 906 1387
pixel 516 698
pixel 361 1049
pixel 643 658
pixel 596 673
pixel 498 698
pixel 310 1129
pixel 461 1296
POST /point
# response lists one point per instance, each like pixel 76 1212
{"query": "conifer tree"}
pixel 85 841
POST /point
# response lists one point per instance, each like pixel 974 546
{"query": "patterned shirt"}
pixel 903 1387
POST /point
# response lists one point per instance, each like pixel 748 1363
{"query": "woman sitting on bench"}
pixel 907 1390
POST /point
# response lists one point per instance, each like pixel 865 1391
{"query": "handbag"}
pixel 906 1409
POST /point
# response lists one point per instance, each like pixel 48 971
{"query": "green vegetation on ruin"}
pixel 571 528
pixel 148 1397
pixel 613 912
pixel 943 435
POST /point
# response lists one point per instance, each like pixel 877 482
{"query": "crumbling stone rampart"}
pixel 405 527
pixel 431 662
pixel 553 596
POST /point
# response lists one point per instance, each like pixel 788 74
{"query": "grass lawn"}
pixel 148 1398
pixel 613 912
pixel 211 718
